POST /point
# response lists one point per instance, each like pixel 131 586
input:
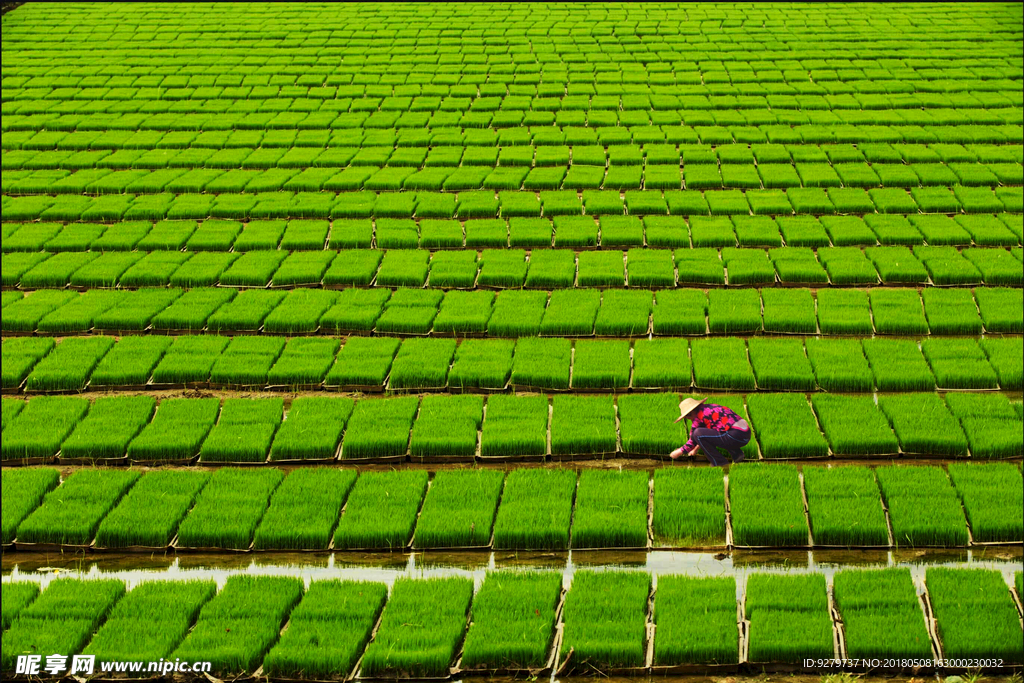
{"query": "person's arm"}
pixel 699 420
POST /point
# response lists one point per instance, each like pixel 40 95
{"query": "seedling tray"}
pixel 52 547
pixel 135 548
pixel 695 669
pixel 179 462
pixel 479 390
pixel 360 388
pixel 93 462
pixel 523 672
pixel 195 549
pixel 28 462
pixel 572 457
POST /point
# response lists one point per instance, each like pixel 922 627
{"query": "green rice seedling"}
pixel 502 268
pixel 701 176
pixel 536 506
pixel 711 232
pixel 353 204
pixel 41 426
pixel 780 365
pixel 513 620
pixel 1001 309
pixel 601 365
pixel 575 231
pixel 923 507
pixel 475 204
pixel 923 424
pixel 24 491
pixel 190 312
pixel 68 366
pixel 304 362
pixel 56 271
pixel 848 231
pixel 488 233
pixel 151 620
pixel 16 264
pixel 253 269
pixel 602 202
pixel 439 234
pixel 789 617
pixel 244 431
pixel 246 312
pixel 146 304
pixel 447 426
pixel 817 175
pixel 959 364
pixel 997 266
pixel 661 363
pixel 789 311
pixel 155 269
pixel 843 503
pixel 28 237
pixel 974 614
pixel 380 428
pixel 1004 354
pixel 189 359
pixel 381 510
pixel 839 365
pixel 890 230
pixel 313 496
pixel 177 430
pixel 62 619
pixel 689 507
pixel 349 234
pixel 601 269
pixel 312 429
pixel 695 620
pixel 105 270
pixel 666 231
pixel 353 267
pixel 991 496
pixel 803 231
pixel 648 268
pixel 202 270
pixel 881 614
pixel 897 265
pixel 71 513
pixel 464 312
pixel 946 266
pixel 17 595
pixel 700 266
pixel 237 627
pixel 338 618
pixel 214 235
pixel 898 365
pixel 785 426
pixel 246 361
pixel 606 619
pixel 734 311
pixel 941 230
pixel 515 426
pixel 168 236
pixel 797 265
pixel 404 268
pixel 75 237
pixel 482 364
pixel 680 312
pixel 571 312
pixel 422 363
pixel 561 203
pixel 530 232
pixel 300 312
pixel 850 200
pixel 363 362
pixel 303 268
pixel 757 231
pixel 20 355
pixel 650 201
pixel 769 202
pixel 895 200
pixel 897 311
pixel 988 231
pixel 582 425
pixel 611 509
pixel 260 235
pixel 422 628
pixel 847 266
pixel 542 363
pixel 459 509
pixel 992 426
pixel 229 509
pixel 150 513
pixel 108 428
pixel 843 312
pixel 721 364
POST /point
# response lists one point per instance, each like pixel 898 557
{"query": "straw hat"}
pixel 687 406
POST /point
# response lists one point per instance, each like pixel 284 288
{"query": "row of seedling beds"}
pixel 39 365
pixel 461 428
pixel 525 623
pixel 584 265
pixel 324 509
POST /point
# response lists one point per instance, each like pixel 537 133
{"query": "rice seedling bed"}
pixel 192 310
pixel 695 621
pixel 68 366
pixel 229 509
pixel 446 428
pixel 328 630
pixel 1002 309
pixel 974 614
pixel 992 426
pixel 189 360
pixel 304 510
pixel 363 362
pixel 571 313
pixel 515 427
pixel 176 432
pixel 111 424
pixel 845 507
pixel 881 614
pixel 459 509
pixel 151 620
pixel 246 361
pixel 421 630
pixel 150 513
pixel 381 510
pixel 605 620
pixel 647 424
pixel 422 363
pixel 311 430
pixel 923 507
pixel 780 364
pixel 71 513
pixel 959 364
pixel 854 426
pixel 20 355
pixel 513 621
pixel 788 618
pixel 924 425
pixel 39 429
pixel 991 496
pixel 680 312
pixel 380 429
pixel 785 426
pixel 601 365
pixel 898 365
pixel 721 364
pixel 237 627
pixel 304 362
pixel 583 426
pixel 24 491
pixel 839 365
pixel 246 312
pixel 843 312
pixel 355 310
pixel 409 311
pixel 1003 354
pixel 62 618
pixel 951 312
pixel 769 513
pixel 78 314
pixel 689 510
pixel 482 364
pixel 611 510
pixel 789 311
pixel 734 311
pixel 624 314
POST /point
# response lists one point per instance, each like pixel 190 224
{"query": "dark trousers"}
pixel 710 441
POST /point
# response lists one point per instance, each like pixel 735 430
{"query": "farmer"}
pixel 714 427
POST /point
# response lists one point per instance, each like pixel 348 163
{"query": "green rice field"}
pixel 346 341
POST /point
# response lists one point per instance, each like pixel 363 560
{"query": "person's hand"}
pixel 676 454
pixel 694 451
